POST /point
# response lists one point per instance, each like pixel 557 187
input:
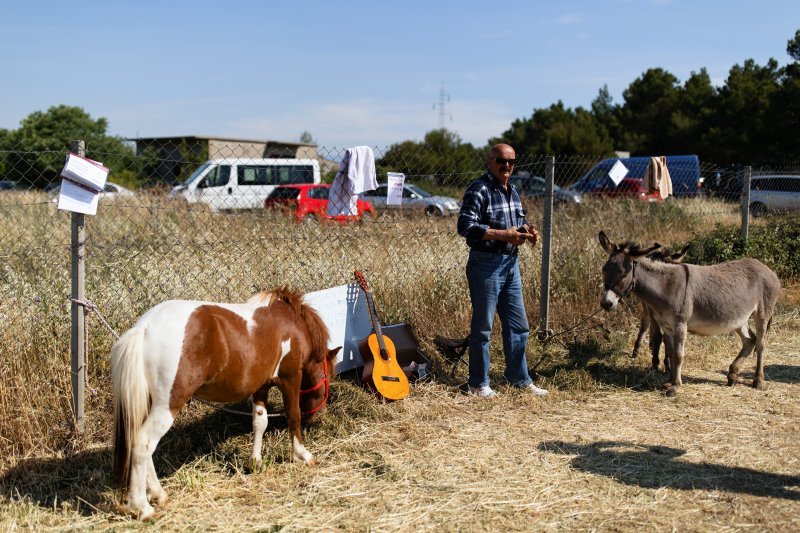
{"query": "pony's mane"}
pixel 317 329
pixel 261 299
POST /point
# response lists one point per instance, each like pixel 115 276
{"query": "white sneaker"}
pixel 483 392
pixel 535 390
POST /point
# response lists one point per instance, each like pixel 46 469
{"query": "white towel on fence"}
pixel 356 175
pixel 657 178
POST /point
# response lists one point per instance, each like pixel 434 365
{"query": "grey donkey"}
pixel 704 300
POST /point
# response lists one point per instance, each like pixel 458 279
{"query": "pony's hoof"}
pixel 159 499
pixel 759 384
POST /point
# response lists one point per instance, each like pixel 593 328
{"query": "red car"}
pixel 309 201
pixel 628 188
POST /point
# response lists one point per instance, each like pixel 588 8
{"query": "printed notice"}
pixel 83 181
pixel 78 199
pixel 618 172
pixel 394 193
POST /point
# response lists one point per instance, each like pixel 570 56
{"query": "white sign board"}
pixel 83 180
pixel 344 311
pixel 394 192
pixel 618 172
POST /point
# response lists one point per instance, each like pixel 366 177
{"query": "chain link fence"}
pixel 213 239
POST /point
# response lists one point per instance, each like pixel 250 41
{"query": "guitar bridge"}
pixel 390 378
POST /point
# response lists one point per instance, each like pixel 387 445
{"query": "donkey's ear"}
pixel 332 353
pixel 677 257
pixel 607 245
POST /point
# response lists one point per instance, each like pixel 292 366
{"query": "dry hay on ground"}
pixel 714 458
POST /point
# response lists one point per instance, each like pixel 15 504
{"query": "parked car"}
pixel 414 197
pixel 240 183
pixel 684 171
pixel 535 186
pixel 9 185
pixel 111 191
pixel 774 194
pixel 309 201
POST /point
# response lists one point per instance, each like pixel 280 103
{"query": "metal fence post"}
pixel 77 344
pixel 744 207
pixel 547 238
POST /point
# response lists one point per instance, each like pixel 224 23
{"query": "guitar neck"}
pixel 376 325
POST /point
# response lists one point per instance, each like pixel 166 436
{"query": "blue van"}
pixel 684 170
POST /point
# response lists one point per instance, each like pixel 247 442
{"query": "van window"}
pixel 216 177
pixel 293 174
pixel 254 175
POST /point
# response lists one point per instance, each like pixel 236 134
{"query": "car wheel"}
pixel 758 209
pixel 310 219
pixel 432 211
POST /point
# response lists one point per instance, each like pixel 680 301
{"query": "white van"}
pixel 236 183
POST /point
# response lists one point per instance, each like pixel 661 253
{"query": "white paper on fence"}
pixel 394 192
pixel 344 311
pixel 617 172
pixel 78 199
pixel 85 171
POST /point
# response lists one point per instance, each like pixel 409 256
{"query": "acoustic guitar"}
pixel 382 372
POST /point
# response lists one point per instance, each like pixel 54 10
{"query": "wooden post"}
pixel 744 206
pixel 547 254
pixel 78 334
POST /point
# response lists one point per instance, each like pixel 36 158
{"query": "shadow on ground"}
pixel 655 467
pixel 782 373
pixel 81 480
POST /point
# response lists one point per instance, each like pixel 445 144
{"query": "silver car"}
pixel 774 194
pixel 414 197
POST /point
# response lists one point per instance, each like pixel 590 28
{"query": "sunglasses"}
pixel 500 161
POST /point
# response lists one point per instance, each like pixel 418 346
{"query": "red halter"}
pixel 324 381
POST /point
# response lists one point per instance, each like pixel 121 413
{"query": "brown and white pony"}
pixel 219 352
pixel 704 300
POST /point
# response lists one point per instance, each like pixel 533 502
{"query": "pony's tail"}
pixel 131 399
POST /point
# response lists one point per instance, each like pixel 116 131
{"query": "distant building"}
pixel 175 158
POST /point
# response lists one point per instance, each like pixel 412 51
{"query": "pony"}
pixel 219 352
pixel 704 300
pixel 646 320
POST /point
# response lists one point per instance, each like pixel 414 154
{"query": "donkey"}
pixel 646 320
pixel 704 300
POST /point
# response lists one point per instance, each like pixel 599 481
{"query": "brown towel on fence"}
pixel 657 178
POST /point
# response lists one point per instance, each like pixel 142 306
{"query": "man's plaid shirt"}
pixel 487 205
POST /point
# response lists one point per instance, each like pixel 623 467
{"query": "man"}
pixel 493 222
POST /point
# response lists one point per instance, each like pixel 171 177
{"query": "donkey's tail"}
pixel 131 398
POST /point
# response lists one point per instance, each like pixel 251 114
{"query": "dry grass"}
pixel 605 450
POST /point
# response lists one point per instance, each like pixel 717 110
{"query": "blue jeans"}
pixel 495 285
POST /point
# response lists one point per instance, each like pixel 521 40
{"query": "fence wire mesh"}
pixel 159 235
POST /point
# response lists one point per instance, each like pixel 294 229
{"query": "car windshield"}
pixel 196 173
pixel 421 192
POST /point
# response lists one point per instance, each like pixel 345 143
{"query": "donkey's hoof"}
pixel 672 392
pixel 666 386
pixel 732 380
pixel 759 384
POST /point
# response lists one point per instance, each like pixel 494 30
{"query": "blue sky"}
pixel 356 73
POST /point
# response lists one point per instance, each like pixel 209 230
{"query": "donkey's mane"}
pixel 629 247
